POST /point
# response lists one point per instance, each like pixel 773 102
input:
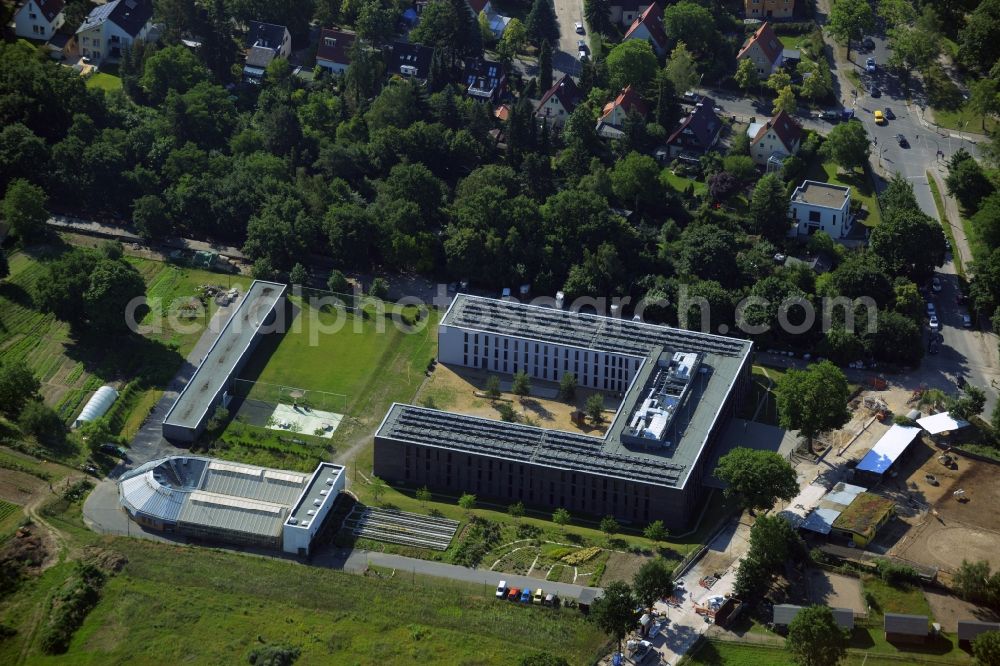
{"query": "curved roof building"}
pixel 97 406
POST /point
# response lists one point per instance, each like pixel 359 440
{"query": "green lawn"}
pixel 761 386
pixel 965 120
pixel 861 186
pixel 790 41
pixel 103 81
pixel 185 605
pixel 956 256
pixel 680 183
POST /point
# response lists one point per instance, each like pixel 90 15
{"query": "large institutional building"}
pixel 678 391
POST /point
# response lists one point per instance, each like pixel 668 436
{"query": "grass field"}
pixel 184 605
pixel 680 183
pixel 103 81
pixel 956 256
pixel 965 120
pixel 10 516
pixel 861 186
pixel 761 393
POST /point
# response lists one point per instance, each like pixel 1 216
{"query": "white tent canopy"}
pixel 942 422
pixel 97 406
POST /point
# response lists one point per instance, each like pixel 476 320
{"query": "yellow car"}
pixel 879 118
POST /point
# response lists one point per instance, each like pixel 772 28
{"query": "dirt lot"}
pixel 954 531
pixel 623 567
pixel 835 590
pixel 455 388
pixel 948 610
pixel 18 487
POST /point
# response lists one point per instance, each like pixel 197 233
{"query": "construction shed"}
pixel 900 628
pixel 785 613
pixel 97 406
pixel 883 456
pixel 863 518
pixel 941 423
pixel 969 629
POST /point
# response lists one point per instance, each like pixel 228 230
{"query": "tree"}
pixel 378 488
pixel 595 408
pixel 850 20
pixel 757 478
pixel 909 243
pixel 970 404
pixel 631 63
pixel 785 101
pixel 22 153
pixel 986 648
pixel 967 182
pixel 634 180
pixel 682 69
pixel 514 38
pixel 375 23
pixel 666 111
pixel 113 286
pixel 978 47
pixel 17 386
pixel 171 68
pixel 298 275
pixel 654 580
pixel 746 76
pixel 694 24
pixel 516 510
pixel 42 422
pixel 379 289
pixel 521 386
pixel 656 532
pixel 23 208
pixel 614 612
pixel 779 80
pixel 609 525
pixel 561 517
pixel 985 98
pixel 493 387
pixel 545 66
pixel 150 216
pixel 769 208
pixel 423 495
pixel 467 501
pixel 813 400
pixel 815 639
pixel 541 22
pixel 567 387
pixel 986 221
pixel 4 265
pixel 338 283
pixel 972 581
pixel 848 145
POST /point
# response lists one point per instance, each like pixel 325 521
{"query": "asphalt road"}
pixel 565 53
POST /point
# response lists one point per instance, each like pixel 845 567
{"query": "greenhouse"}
pixel 97 406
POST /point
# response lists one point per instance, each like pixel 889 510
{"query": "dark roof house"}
pixel 559 101
pixel 267 35
pixel 649 26
pixel 485 80
pixel 697 132
pixel 411 60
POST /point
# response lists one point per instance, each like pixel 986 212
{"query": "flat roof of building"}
pixel 655 464
pixel 221 359
pixel 323 480
pixel 888 449
pixel 821 194
pixel 219 494
pixel 864 513
pixel 578 329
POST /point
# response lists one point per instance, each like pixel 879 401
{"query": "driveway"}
pixel 565 53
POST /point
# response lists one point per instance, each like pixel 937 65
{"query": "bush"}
pixel 274 655
pixel 42 422
pixel 507 412
pixel 793 27
pixel 896 574
pixel 480 537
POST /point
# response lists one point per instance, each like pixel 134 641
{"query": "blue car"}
pixel 526 596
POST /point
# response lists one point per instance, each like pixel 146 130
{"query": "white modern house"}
pixel 39 19
pixel 110 28
pixel 817 206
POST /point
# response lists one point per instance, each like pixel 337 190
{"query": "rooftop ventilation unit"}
pixel 329 481
pixel 317 502
pixel 311 512
pixel 324 492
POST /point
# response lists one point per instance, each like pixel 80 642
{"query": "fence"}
pixel 280 394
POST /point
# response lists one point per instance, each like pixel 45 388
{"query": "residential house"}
pixel 614 113
pixel 817 206
pixel 625 12
pixel 408 60
pixel 764 49
pixel 334 51
pixel 771 142
pixel 497 22
pixel 697 132
pixel 265 42
pixel 110 28
pixel 485 80
pixel 559 101
pixel 39 19
pixel 768 9
pixel 649 27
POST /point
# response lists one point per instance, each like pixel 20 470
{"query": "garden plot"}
pixel 292 418
pixel 400 527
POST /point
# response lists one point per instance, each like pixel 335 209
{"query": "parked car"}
pixel 582 55
pixel 526 596
pixel 889 114
pixel 868 43
pixel 870 65
pixel 933 347
pixel 935 324
pixel 879 118
pixel 114 450
pixel 505 294
pixel 931 310
pixel 539 596
pixel 502 589
pixel 936 284
pixel 581 44
pixel 514 594
pixel 579 28
pixel 874 91
pixel 901 140
pixel 966 321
